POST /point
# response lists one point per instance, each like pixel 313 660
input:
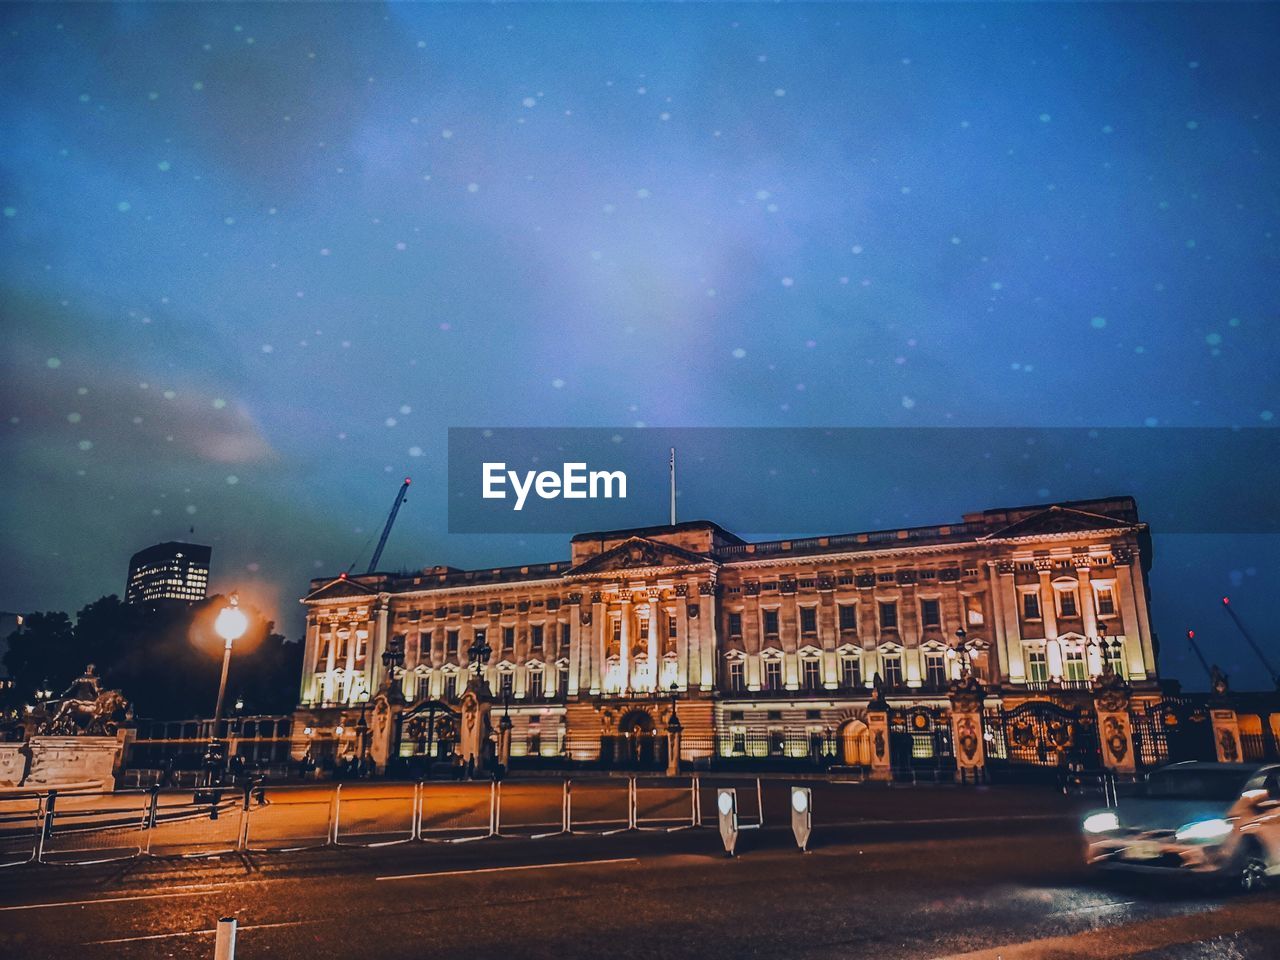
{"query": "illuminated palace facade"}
pixel 782 638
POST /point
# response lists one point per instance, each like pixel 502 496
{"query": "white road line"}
pixel 526 866
pixel 199 933
pixel 85 903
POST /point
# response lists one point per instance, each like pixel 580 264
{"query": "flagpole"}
pixel 673 486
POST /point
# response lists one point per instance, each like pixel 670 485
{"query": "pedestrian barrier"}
pixel 371 815
pixel 601 806
pixel 664 804
pixel 530 810
pixel 457 812
pixel 291 818
pixel 95 828
pixel 750 797
pixel 20 820
pixel 180 825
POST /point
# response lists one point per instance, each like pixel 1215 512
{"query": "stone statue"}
pixel 1217 680
pixel 85 708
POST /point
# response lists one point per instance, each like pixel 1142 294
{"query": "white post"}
pixel 632 824
pixel 493 807
pixel 416 830
pixel 759 801
pixel 224 944
pixel 496 793
pixel 333 814
pixel 566 816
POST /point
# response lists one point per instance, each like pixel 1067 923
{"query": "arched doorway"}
pixel 855 744
pixel 637 742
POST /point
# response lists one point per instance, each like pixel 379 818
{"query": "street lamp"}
pixel 959 656
pixel 230 624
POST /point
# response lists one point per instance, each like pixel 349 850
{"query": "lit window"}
pixel 735 624
pixel 1106 602
pixel 810 674
pixel 734 681
pixel 1031 606
pixel 891 668
pixel 850 670
pixel 1037 665
pixel 772 675
pixel 1074 666
pixel 1067 603
pixel 935 668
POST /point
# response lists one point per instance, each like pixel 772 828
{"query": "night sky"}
pixel 258 258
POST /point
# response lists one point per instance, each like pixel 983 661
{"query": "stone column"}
pixel 708 617
pixel 686 650
pixel 1088 611
pixel 878 733
pixel 1115 731
pixel 966 697
pixel 574 653
pixel 598 643
pixel 652 643
pixel 624 645
pixel 1015 663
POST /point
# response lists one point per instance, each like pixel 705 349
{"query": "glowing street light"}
pixel 230 624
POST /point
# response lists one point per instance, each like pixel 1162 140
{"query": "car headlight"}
pixel 1213 829
pixel 1101 822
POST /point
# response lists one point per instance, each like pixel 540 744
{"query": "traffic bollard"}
pixel 802 816
pixel 224 944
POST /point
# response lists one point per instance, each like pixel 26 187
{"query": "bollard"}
pixel 802 816
pixel 727 811
pixel 333 814
pixel 224 944
pixel 566 811
pixel 152 806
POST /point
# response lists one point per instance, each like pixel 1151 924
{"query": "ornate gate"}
pixel 1171 730
pixel 1039 739
pixel 920 739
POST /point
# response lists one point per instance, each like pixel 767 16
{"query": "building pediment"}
pixel 339 589
pixel 1058 520
pixel 638 553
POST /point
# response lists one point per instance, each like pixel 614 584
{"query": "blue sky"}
pixel 258 258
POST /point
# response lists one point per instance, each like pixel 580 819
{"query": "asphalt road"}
pixel 895 873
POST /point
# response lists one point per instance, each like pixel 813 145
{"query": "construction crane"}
pixel 1275 677
pixel 1191 639
pixel 386 531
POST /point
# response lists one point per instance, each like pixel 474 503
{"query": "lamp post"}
pixel 230 624
pixel 959 656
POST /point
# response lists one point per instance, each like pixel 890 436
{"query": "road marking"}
pixel 85 903
pixel 199 933
pixel 526 866
pixel 1127 939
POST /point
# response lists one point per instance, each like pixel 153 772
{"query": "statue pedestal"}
pixel 13 764
pixel 86 762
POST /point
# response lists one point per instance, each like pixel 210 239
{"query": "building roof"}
pixel 1116 514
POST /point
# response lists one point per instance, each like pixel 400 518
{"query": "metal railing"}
pixel 58 827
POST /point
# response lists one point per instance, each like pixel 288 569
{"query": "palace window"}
pixel 535 684
pixel 535 636
pixel 973 609
pixel 1106 599
pixel 508 638
pixel 930 614
pixel 673 628
pixel 506 683
pixel 1037 665
pixel 616 645
pixel 1067 606
pixel 322 655
pixel 891 668
pixel 1074 666
pixel 850 670
pixel 344 646
pixel 424 646
pixel 770 623
pixel 1115 656
pixel 1030 606
pixel 935 668
pixel 735 625
pixel 362 647
pixel 809 620
pixel 450 686
pixel 848 618
pixel 734 679
pixel 772 675
pixel 562 678
pixel 451 641
pixel 888 615
pixel 810 673
pixel 564 636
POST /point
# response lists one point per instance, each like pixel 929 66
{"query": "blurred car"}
pixel 1197 819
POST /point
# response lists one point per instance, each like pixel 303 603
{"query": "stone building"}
pixel 767 647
